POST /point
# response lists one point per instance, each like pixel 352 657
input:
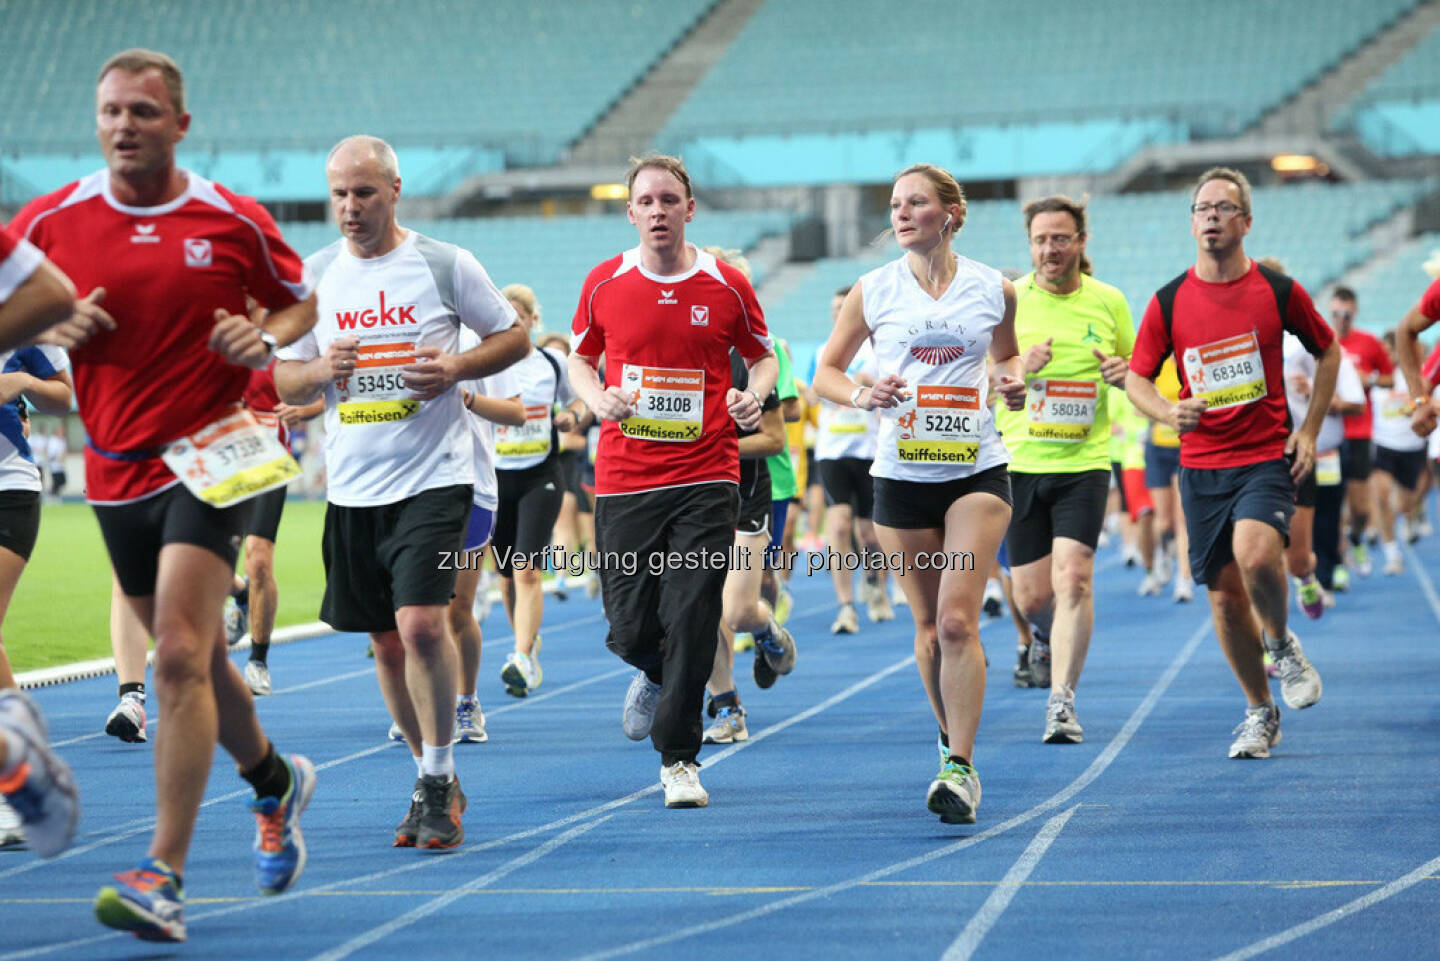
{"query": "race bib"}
pixel 1226 373
pixel 1396 404
pixel 530 439
pixel 943 427
pixel 1062 411
pixel 1327 469
pixel 846 421
pixel 231 460
pixel 376 392
pixel 669 403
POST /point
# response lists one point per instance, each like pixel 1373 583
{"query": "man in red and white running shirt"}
pixel 173 256
pixel 664 316
pixel 34 295
pixel 1423 377
pixel 1357 453
pixel 1224 320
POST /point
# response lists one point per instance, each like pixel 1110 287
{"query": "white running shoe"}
pixel 1164 567
pixel 1394 563
pixel 1184 590
pixel 469 722
pixel 395 734
pixel 257 677
pixel 41 788
pixel 1130 555
pixel 847 621
pixel 12 829
pixel 127 721
pixel 681 781
pixel 639 711
pixel 1259 732
pixel 1151 586
pixel 897 595
pixel 879 607
pixel 1300 684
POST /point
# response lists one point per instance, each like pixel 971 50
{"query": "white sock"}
pixel 419 767
pixel 437 760
pixel 15 751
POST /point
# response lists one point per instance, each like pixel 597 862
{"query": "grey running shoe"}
pixel 1039 660
pixel 127 721
pixel 1299 682
pixel 777 654
pixel 847 621
pixel 1061 726
pixel 469 722
pixel 41 789
pixel 1259 732
pixel 1021 675
pixel 729 727
pixel 954 794
pixel 257 677
pixel 639 710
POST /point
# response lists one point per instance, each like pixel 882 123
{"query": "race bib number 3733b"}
pixel 943 428
pixel 1226 373
pixel 231 460
pixel 669 403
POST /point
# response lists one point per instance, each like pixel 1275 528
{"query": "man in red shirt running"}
pixel 1421 377
pixel 1357 453
pixel 173 256
pixel 664 316
pixel 1224 320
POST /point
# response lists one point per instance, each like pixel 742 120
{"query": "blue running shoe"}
pixel 279 845
pixel 147 902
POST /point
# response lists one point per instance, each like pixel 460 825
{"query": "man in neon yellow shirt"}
pixel 1075 335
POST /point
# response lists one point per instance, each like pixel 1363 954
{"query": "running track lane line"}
pixel 445 900
pixel 134 828
pixel 422 863
pixel 980 924
pixel 1381 894
pixel 1096 768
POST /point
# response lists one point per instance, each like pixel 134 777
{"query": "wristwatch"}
pixel 271 344
pixel 855 395
pixel 756 396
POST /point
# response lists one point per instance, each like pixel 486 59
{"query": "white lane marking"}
pixel 968 942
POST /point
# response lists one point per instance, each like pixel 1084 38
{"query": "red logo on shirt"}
pixel 699 316
pixel 198 252
pixel 389 315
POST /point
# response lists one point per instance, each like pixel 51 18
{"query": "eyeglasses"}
pixel 1059 241
pixel 1224 208
pixel 1343 314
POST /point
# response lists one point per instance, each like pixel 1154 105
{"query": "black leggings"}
pixel 1326 532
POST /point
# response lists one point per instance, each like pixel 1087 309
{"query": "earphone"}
pixel 948 218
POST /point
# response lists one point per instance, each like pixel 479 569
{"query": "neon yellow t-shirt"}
pixel 1064 426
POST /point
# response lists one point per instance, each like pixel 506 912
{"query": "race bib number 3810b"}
pixel 943 428
pixel 669 403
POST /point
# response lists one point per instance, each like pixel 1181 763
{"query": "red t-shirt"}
pixel 165 271
pixel 667 341
pixel 1228 338
pixel 1430 307
pixel 262 398
pixel 18 261
pixel 1368 355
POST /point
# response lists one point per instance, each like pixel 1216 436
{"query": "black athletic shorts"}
pixel 1161 464
pixel 1356 460
pixel 19 521
pixel 1048 506
pixel 135 532
pixel 572 472
pixel 847 481
pixel 1215 498
pixel 379 559
pixel 1305 491
pixel 756 507
pixel 265 519
pixel 1403 465
pixel 530 501
pixel 921 505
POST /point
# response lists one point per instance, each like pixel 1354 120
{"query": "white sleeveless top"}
pixel 944 429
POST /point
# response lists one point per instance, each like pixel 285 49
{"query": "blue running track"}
pixel 1145 841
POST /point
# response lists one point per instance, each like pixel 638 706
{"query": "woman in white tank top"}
pixel 942 491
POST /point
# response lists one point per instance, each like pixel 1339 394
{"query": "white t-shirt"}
pixel 18 468
pixel 1348 388
pixel 382 445
pixel 944 429
pixel 55 448
pixel 1390 416
pixel 517 448
pixel 502 384
pixel 845 431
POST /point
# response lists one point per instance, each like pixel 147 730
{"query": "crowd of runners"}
pixel 963 436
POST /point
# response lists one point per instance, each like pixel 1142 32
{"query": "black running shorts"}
pixel 1215 498
pixel 530 501
pixel 1403 465
pixel 1048 506
pixel 847 481
pixel 265 521
pixel 19 521
pixel 921 505
pixel 135 532
pixel 379 559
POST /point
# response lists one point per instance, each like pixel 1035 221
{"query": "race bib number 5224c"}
pixel 944 427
